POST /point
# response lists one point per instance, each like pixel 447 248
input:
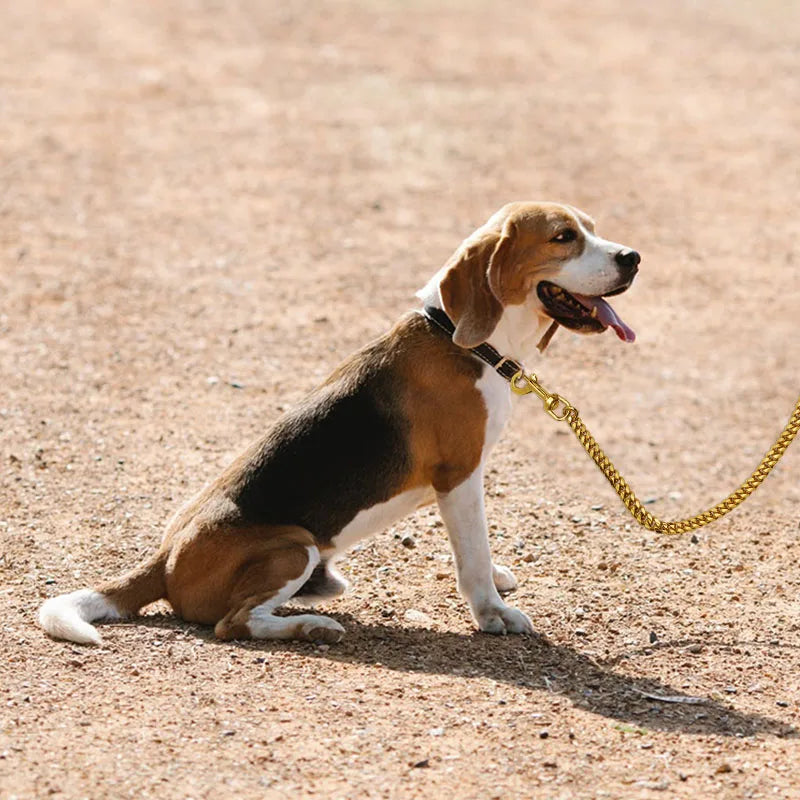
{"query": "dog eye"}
pixel 567 235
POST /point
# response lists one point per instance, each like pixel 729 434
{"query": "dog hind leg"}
pixel 264 586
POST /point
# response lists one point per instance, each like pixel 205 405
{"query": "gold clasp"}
pixel 555 405
pixel 525 384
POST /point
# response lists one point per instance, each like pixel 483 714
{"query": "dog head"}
pixel 542 258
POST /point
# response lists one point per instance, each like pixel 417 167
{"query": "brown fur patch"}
pixel 217 570
pixel 448 415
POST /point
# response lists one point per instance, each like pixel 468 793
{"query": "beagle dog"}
pixel 408 420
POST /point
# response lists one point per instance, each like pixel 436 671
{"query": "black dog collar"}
pixel 504 366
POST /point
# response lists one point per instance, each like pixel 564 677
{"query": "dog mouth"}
pixel 581 312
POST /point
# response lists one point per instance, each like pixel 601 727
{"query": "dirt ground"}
pixel 206 205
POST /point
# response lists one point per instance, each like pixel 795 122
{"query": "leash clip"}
pixel 556 406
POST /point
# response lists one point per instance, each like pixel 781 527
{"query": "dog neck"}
pixel 518 332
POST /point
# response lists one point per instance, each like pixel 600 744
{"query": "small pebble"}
pixel 653 637
pixel 544 734
pixel 694 539
pixel 723 768
pixel 412 615
pixel 422 764
pixel 408 541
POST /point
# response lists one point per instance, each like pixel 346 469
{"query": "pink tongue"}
pixel 607 316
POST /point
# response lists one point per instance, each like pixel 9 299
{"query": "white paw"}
pixel 322 629
pixel 504 580
pixel 503 619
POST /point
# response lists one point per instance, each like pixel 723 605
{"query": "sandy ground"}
pixel 206 205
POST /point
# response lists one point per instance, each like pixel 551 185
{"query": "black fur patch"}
pixel 342 450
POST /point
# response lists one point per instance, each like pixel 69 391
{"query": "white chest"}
pixel 497 396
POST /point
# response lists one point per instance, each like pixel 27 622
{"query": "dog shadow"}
pixel 533 663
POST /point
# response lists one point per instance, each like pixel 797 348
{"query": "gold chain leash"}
pixel 563 411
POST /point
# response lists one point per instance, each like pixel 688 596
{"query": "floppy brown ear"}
pixel 470 288
pixel 506 280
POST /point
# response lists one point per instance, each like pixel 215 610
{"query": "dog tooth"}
pixel 594 313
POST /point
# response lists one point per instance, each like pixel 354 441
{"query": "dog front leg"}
pixel 464 515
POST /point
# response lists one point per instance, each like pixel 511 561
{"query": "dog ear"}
pixel 506 280
pixel 473 289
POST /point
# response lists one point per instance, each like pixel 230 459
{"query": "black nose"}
pixel 629 261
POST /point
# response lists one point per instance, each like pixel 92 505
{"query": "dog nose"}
pixel 629 261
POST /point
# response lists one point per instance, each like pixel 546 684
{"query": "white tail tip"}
pixel 68 616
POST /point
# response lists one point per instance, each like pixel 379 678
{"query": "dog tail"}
pixel 69 616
